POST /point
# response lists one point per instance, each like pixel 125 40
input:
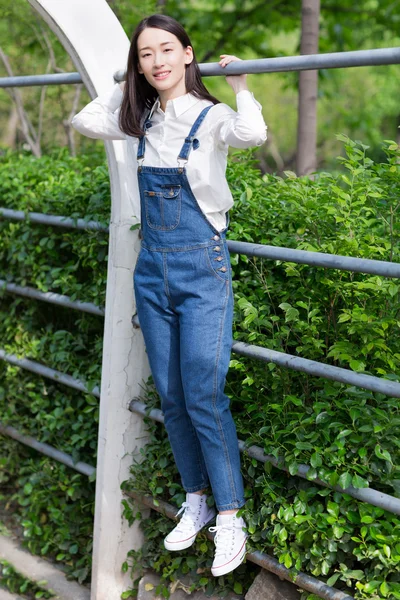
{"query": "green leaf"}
pixel 237 588
pixel 382 454
pixel 357 365
pixel 28 487
pixel 316 460
pixel 288 561
pixel 333 508
pixel 338 531
pixel 384 589
pixel 333 579
pixel 345 480
pixel 304 446
pixel 359 482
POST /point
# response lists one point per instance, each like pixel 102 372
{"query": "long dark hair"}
pixel 139 95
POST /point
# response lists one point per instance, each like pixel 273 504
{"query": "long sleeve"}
pixel 99 118
pixel 242 129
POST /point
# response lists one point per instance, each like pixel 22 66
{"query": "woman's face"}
pixel 162 60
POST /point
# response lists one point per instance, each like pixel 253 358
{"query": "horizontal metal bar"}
pixel 302 580
pixel 369 495
pixel 366 494
pixel 318 259
pixel 54 220
pixel 263 560
pixel 52 374
pixel 329 60
pixel 51 298
pixel 312 367
pixel 46 449
pixel 45 79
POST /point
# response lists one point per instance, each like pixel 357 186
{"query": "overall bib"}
pixel 184 300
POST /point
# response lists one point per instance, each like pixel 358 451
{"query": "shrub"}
pixel 347 435
pixel 51 503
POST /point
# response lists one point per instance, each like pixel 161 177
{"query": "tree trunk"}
pixel 306 162
pixel 27 128
pixel 9 135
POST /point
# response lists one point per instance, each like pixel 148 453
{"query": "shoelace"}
pixel 186 523
pixel 222 539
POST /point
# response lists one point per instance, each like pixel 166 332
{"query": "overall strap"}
pixel 142 142
pixel 191 141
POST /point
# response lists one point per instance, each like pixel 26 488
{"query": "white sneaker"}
pixel 230 544
pixel 196 514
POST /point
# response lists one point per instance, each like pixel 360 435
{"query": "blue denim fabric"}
pixel 184 300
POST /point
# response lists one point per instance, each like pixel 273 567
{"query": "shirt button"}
pixel 223 269
pixel 217 248
pixel 216 238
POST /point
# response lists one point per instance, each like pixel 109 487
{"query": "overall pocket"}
pixel 163 207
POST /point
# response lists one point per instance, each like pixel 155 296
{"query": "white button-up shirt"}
pixel 221 128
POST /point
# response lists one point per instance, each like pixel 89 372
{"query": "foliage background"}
pixel 360 102
pixel 347 435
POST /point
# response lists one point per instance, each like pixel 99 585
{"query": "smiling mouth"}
pixel 162 75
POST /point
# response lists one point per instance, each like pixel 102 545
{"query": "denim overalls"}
pixel 184 300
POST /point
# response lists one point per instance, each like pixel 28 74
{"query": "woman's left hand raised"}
pixel 237 82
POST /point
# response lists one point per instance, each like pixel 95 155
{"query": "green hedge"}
pixel 347 435
pixel 53 504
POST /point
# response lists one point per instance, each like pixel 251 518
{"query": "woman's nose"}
pixel 158 60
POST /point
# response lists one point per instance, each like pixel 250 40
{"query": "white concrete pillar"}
pixel 98 46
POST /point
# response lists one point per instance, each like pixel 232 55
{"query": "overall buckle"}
pixel 182 162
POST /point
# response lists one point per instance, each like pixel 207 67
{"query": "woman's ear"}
pixel 139 69
pixel 188 55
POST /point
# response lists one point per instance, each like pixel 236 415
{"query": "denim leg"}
pixel 161 332
pixel 206 339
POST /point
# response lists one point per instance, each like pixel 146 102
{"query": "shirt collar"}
pixel 176 106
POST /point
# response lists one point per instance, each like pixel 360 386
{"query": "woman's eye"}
pixel 145 55
pixel 168 50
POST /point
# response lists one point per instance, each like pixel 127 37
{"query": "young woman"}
pixel 178 136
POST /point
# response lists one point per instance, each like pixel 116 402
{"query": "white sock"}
pixel 226 519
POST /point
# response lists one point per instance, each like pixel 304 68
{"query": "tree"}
pixel 308 88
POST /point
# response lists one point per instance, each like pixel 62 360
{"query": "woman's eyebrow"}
pixel 149 48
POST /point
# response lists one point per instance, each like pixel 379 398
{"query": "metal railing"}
pixel 298 63
pixel 308 583
pixel 369 495
pixel 320 259
pixel 329 60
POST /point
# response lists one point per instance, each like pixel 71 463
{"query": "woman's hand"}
pixel 237 82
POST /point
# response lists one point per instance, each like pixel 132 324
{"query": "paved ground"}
pixel 37 569
pixel 4 595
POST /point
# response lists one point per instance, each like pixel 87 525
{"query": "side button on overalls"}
pixel 184 300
